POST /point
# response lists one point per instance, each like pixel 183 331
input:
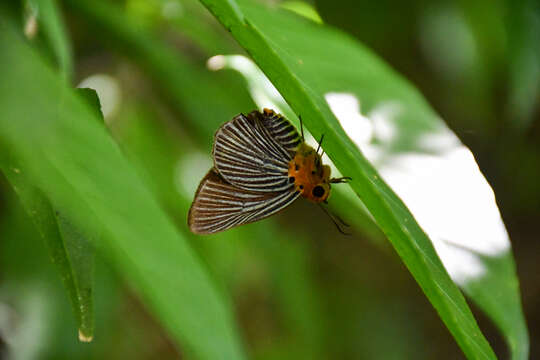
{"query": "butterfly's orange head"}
pixel 309 175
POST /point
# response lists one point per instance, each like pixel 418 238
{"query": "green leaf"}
pixel 73 160
pixel 91 98
pixel 305 71
pixel 50 22
pixel 302 9
pixel 497 294
pixel 80 259
pixel 69 251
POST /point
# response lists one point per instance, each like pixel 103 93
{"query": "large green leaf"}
pixel 74 162
pixel 306 72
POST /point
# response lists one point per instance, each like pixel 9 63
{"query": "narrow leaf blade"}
pixel 69 252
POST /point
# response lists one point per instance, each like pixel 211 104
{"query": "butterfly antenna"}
pixel 320 142
pixel 336 220
pixel 301 128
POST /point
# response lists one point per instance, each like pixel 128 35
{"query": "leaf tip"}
pixel 85 338
pixel 216 62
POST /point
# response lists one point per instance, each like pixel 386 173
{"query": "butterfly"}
pixel 261 165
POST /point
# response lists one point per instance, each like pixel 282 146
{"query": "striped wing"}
pixel 219 205
pixel 280 129
pixel 253 152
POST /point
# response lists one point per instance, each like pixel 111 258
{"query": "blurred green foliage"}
pixel 290 287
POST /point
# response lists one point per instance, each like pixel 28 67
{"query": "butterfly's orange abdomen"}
pixel 308 174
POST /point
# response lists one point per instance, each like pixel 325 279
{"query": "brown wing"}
pixel 219 205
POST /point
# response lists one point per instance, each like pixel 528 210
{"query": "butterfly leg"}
pixel 340 180
pixel 336 220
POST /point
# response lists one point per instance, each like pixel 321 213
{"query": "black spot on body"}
pixel 318 191
pixel 291 179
